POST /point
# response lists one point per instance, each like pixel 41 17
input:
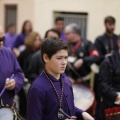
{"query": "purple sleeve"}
pixel 19 78
pixel 35 104
pixel 78 113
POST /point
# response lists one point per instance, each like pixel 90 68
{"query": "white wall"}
pixel 40 12
pixel 25 11
pixel 96 9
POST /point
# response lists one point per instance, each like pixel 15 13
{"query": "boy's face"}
pixel 57 63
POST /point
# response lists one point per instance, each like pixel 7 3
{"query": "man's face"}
pixel 57 63
pixel 110 27
pixel 12 30
pixel 69 36
pixel 59 25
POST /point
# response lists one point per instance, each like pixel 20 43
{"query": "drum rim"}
pixel 77 83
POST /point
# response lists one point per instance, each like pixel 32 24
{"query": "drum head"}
pixel 6 114
pixel 83 96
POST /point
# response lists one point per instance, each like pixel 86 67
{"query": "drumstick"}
pixel 60 110
pixel 3 90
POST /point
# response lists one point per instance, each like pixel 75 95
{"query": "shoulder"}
pixel 23 53
pixel 19 36
pixel 6 34
pixel 37 54
pixel 66 79
pixel 36 57
pixel 6 50
pixel 99 38
pixel 115 37
pixel 7 53
pixel 108 62
pixel 87 42
pixel 40 83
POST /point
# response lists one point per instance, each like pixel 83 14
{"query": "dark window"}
pixel 10 15
pixel 78 18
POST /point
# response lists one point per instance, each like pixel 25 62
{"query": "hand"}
pixel 72 118
pixel 86 116
pixel 78 64
pixel 108 55
pixel 117 101
pixel 16 52
pixel 10 84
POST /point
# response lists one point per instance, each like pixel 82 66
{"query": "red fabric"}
pixel 75 48
pixel 94 53
pixel 112 113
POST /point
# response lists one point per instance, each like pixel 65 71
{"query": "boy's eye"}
pixel 66 57
pixel 58 58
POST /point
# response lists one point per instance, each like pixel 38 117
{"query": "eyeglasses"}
pixel 2 39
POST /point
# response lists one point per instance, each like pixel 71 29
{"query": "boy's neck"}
pixel 57 76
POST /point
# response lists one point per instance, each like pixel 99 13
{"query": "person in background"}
pixel 11 76
pixel 18 46
pixel 82 54
pixel 33 43
pixel 36 64
pixel 52 90
pixel 10 36
pixel 59 25
pixel 106 44
pixel 52 33
pixel 109 81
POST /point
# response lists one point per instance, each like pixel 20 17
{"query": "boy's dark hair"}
pixel 52 30
pixel 59 19
pixel 109 19
pixel 50 46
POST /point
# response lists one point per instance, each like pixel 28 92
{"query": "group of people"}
pixel 53 64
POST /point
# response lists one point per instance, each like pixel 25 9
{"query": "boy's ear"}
pixel 45 58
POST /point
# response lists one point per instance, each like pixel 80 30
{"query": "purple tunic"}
pixel 9 66
pixel 19 40
pixel 9 40
pixel 43 102
pixel 62 36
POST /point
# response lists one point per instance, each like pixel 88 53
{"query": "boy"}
pixel 52 90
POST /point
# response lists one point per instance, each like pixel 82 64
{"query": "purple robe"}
pixel 43 102
pixel 62 36
pixel 9 40
pixel 9 66
pixel 19 40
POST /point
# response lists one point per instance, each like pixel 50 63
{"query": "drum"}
pixel 7 113
pixel 84 97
